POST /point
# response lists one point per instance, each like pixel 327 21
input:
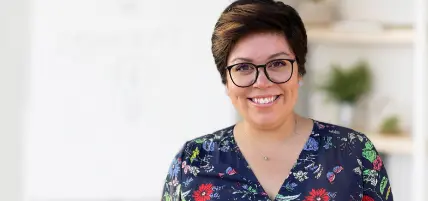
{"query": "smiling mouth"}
pixel 264 100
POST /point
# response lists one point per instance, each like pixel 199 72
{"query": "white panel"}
pixel 116 88
pixel 420 88
pixel 14 56
pixel 398 167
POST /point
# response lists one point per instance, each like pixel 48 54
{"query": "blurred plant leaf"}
pixel 390 125
pixel 348 85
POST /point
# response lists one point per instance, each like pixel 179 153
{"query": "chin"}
pixel 264 120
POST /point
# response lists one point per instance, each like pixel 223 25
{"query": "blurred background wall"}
pixel 98 95
pixel 116 87
pixel 14 65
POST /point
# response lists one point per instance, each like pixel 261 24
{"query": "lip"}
pixel 266 104
pixel 265 96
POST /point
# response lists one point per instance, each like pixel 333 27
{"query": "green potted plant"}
pixel 347 86
pixel 391 125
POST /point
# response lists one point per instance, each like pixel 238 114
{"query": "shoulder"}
pixel 332 130
pixel 215 137
pixel 345 139
pixel 329 129
pixel 197 148
pixel 353 146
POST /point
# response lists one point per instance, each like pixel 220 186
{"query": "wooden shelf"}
pixel 392 144
pixel 325 35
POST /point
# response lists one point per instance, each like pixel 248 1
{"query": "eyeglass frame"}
pixel 292 61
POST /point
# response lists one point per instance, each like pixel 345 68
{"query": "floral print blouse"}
pixel 336 164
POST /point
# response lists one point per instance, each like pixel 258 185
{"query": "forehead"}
pixel 259 48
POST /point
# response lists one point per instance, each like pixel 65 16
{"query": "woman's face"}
pixel 264 104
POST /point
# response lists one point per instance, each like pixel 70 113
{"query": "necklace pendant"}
pixel 265 158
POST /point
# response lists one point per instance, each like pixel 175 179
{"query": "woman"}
pixel 259 47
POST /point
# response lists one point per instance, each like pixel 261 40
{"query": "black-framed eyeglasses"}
pixel 278 71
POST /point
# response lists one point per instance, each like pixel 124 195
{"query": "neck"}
pixel 275 133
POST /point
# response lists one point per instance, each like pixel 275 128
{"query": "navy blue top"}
pixel 336 163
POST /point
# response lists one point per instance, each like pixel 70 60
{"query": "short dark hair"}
pixel 244 17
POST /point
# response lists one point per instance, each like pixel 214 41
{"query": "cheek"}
pixel 291 91
pixel 236 94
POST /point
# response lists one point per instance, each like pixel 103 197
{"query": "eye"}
pixel 244 67
pixel 277 64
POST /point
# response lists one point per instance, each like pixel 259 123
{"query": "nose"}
pixel 262 80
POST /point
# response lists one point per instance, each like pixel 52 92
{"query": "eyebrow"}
pixel 270 57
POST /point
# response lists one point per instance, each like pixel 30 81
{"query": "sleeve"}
pixel 172 185
pixel 376 184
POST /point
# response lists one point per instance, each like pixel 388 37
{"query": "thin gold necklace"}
pixel 265 157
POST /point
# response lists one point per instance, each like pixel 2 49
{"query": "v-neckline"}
pixel 252 173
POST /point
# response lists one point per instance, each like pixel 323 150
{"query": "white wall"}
pixel 13 67
pixel 116 88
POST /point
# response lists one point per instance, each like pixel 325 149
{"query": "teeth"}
pixel 264 100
